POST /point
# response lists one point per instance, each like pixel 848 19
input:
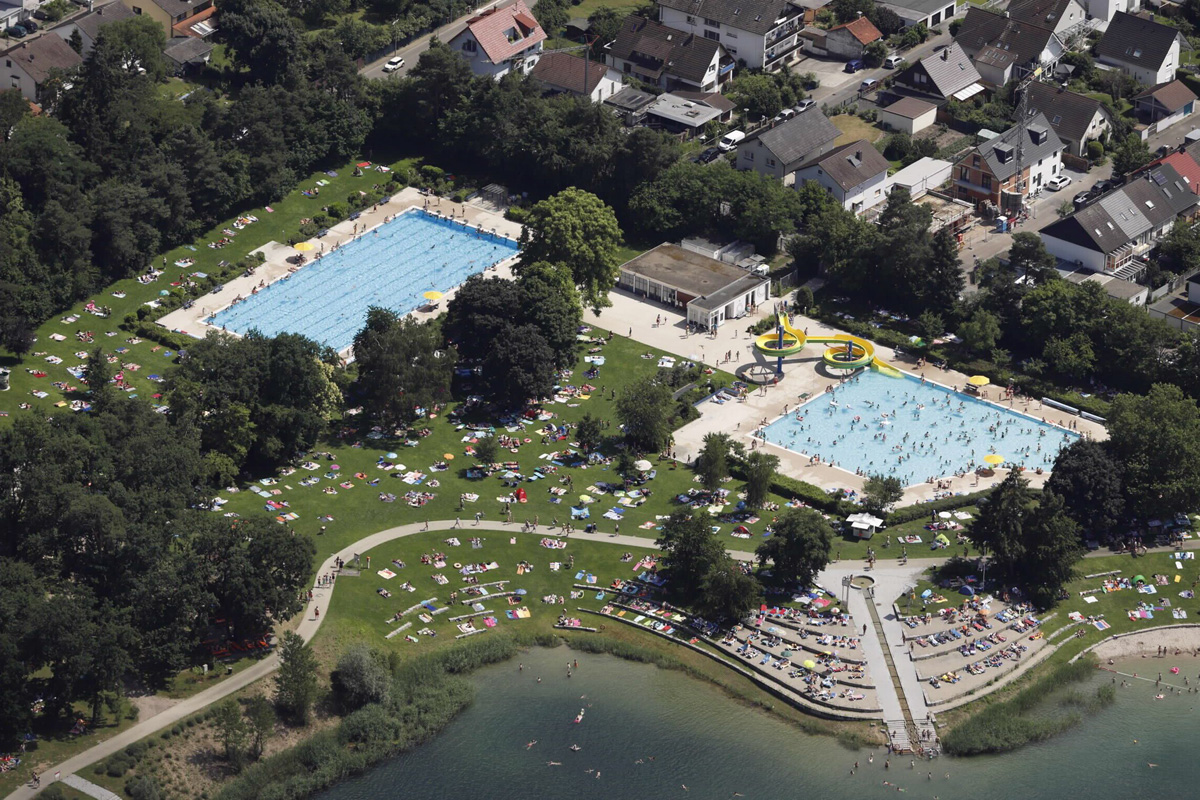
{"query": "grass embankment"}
pixel 1044 708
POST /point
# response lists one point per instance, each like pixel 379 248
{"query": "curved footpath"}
pixel 890 581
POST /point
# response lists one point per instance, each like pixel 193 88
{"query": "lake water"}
pixel 700 738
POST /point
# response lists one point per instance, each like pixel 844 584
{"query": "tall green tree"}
pixel 999 529
pixel 590 432
pixel 1088 480
pixel 1130 154
pixel 760 468
pixel 645 409
pixel 798 548
pixel 577 229
pixel 1054 550
pixel 1156 437
pixel 403 366
pixel 690 550
pixel 712 463
pixel 296 680
pixel 727 592
pixel 880 492
pixel 260 715
pixel 232 731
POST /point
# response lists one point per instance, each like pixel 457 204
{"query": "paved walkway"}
pixel 89 788
pixel 892 577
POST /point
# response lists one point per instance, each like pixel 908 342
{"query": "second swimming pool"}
pixel 913 431
pixel 391 267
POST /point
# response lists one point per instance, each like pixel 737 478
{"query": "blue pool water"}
pixel 391 267
pixel 903 428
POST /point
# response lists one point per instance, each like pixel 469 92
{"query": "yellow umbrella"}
pixel 810 664
pixel 978 380
pixel 993 459
pixel 448 456
pixel 432 295
pixel 304 246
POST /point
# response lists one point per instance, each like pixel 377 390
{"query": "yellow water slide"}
pixel 847 352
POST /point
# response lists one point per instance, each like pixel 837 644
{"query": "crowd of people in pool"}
pixel 940 438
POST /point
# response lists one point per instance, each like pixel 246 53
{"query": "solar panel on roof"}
pixel 1159 178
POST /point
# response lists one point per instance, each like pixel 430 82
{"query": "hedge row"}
pixel 922 510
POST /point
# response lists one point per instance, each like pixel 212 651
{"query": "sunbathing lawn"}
pixel 854 128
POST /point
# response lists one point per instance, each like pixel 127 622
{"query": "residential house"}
pixel 11 12
pixel 850 39
pixel 29 64
pixel 762 33
pixel 1005 48
pixel 1144 49
pixel 988 173
pixel 908 114
pixel 1109 234
pixel 685 115
pixel 188 54
pixel 1105 10
pixel 921 177
pixel 566 73
pixel 1116 288
pixel 1182 161
pixel 668 58
pixel 947 74
pixel 178 17
pixel 931 13
pixel 1076 118
pixel 90 23
pixel 1165 105
pixel 500 41
pixel 781 150
pixel 853 174
pixel 1059 16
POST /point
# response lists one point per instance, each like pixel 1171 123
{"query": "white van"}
pixel 730 140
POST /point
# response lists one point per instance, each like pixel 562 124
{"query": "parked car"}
pixel 1103 186
pixel 869 85
pixel 730 140
pixel 785 115
pixel 30 26
pixel 1059 181
pixel 394 64
pixel 1082 199
pixel 854 65
pixel 709 155
pixel 891 62
pixel 15 32
pixel 804 105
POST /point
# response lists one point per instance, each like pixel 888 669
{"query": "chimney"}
pixel 946 54
pixel 858 155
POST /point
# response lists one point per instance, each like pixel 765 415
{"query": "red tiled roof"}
pixel 185 28
pixel 862 29
pixel 491 27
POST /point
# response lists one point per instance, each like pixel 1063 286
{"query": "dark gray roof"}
pixel 729 293
pixel 1046 13
pixel 1150 201
pixel 630 99
pixel 89 24
pixel 755 16
pixel 799 136
pixel 950 70
pixel 1137 41
pixel 177 8
pixel 851 164
pixel 1070 114
pixel 658 49
pixel 994 39
pixel 187 49
pixel 1032 151
pixel 688 272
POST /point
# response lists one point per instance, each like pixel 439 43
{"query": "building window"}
pixel 731 50
pixel 714 35
pixel 749 155
pixel 712 23
pixel 691 20
pixel 770 162
pixel 730 35
pixel 470 46
pixel 987 181
pixel 628 68
pixel 137 10
pixel 975 161
pixel 964 174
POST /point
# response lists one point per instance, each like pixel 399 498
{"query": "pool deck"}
pixel 191 321
pixel 803 373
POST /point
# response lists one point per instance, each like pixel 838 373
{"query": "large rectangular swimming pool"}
pixel 913 431
pixel 391 267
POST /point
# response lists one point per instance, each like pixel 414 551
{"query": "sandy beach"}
pixel 1185 639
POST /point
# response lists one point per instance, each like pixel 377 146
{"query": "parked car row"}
pixel 21 29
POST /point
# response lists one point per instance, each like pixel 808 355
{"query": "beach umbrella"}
pixel 810 664
pixel 400 467
pixel 979 380
pixel 448 456
pixel 334 467
pixel 642 465
pixel 163 293
pixel 392 455
pixel 432 295
pixel 303 246
pixel 944 514
pixel 993 459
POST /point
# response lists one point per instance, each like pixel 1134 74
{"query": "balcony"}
pixel 775 55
